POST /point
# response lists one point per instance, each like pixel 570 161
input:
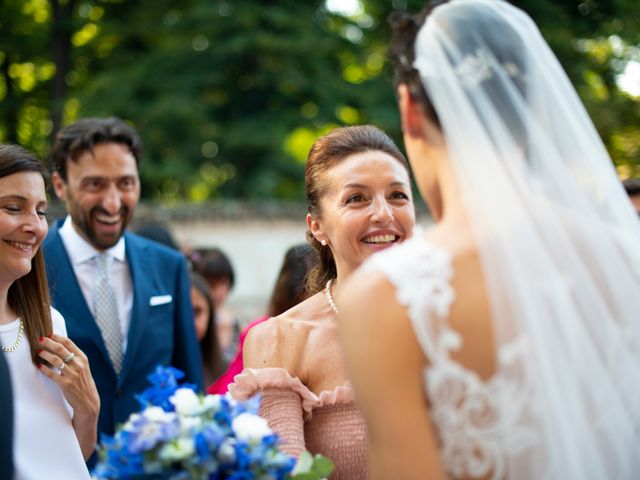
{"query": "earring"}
pixel 323 243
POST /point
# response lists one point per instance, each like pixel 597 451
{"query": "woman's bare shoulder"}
pixel 281 340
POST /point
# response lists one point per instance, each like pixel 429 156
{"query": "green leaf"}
pixel 304 464
pixel 322 466
pixel 312 468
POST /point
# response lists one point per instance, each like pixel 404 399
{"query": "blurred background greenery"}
pixel 228 95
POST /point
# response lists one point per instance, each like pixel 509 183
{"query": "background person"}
pixel 126 299
pixel 359 200
pixel 54 397
pixel 204 317
pixel 503 342
pixel 158 232
pixel 215 267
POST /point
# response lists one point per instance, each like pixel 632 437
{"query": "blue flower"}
pixel 151 427
pixel 164 383
pixel 214 435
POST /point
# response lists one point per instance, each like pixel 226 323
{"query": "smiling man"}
pixel 126 299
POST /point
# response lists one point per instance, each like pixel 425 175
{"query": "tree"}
pixel 228 96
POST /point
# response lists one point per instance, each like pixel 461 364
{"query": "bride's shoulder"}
pixel 422 254
pixel 418 274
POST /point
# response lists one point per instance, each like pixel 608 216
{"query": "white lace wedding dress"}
pixel 558 242
pixel 479 432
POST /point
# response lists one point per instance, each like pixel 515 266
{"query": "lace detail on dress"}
pixel 482 425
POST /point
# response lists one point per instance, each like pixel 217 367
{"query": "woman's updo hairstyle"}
pixel 326 152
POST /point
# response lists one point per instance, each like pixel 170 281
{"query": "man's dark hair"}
pixel 81 136
pixel 632 186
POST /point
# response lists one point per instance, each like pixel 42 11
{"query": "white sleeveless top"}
pixel 483 426
pixel 45 443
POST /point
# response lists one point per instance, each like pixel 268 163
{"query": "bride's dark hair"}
pixel 404 28
pixel 500 40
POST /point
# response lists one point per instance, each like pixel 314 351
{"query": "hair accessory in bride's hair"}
pixel 474 68
pixel 511 69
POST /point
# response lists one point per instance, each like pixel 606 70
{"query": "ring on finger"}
pixel 61 368
pixel 69 358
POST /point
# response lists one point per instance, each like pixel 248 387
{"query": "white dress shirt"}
pixel 81 253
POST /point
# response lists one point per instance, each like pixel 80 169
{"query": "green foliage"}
pixel 311 467
pixel 229 95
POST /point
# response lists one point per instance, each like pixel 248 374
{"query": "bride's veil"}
pixel 557 236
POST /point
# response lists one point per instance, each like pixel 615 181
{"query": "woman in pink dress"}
pixel 359 200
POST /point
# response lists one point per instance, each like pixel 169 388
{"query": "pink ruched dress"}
pixel 328 424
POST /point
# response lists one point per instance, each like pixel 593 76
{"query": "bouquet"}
pixel 181 434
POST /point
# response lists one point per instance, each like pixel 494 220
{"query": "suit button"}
pixel 119 393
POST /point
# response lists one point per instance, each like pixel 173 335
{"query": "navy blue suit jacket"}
pixel 158 334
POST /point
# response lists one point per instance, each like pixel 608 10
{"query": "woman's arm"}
pixel 77 386
pixel 385 364
pixel 267 372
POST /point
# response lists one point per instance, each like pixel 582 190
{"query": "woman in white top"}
pixel 504 342
pixel 55 400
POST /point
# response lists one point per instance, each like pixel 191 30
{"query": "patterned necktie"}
pixel 106 310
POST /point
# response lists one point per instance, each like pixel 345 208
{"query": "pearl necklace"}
pixel 327 293
pixel 13 347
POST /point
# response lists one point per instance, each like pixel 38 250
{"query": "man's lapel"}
pixel 141 281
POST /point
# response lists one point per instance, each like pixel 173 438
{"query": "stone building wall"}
pixel 255 236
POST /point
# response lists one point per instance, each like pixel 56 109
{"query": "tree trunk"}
pixel 10 102
pixel 61 43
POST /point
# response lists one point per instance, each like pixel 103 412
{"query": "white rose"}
pixel 186 401
pixel 227 452
pixel 189 424
pixel 129 423
pixel 250 428
pixel 157 414
pixel 212 402
pixel 177 450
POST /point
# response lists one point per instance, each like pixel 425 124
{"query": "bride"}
pixel 518 313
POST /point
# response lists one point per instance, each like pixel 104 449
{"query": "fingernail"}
pixel 41 339
pixel 39 366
